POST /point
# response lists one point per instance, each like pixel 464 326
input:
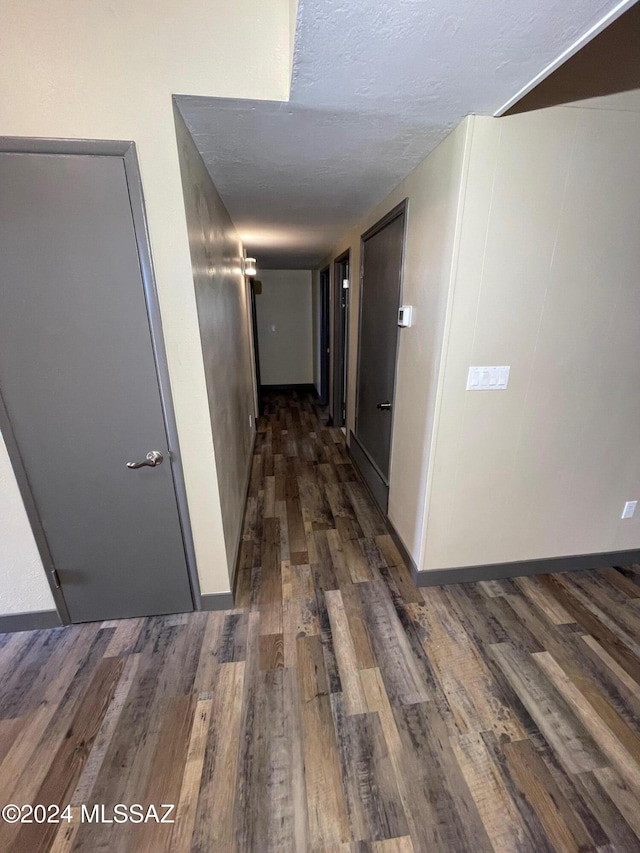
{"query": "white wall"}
pixel 225 334
pixel 547 281
pixel 286 353
pixel 433 191
pixel 108 71
pixel 23 585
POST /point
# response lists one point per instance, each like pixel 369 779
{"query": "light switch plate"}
pixel 629 509
pixel 488 378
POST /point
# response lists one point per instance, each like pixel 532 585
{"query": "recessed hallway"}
pixel 338 708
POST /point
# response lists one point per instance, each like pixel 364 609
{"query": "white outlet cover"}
pixel 629 509
pixel 488 378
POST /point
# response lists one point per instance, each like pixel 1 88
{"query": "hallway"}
pixel 337 708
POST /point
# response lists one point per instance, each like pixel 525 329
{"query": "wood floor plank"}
pixel 354 699
pixel 182 834
pixel 326 802
pixel 472 694
pixel 571 742
pixel 374 804
pixel 70 758
pixel 218 786
pixel 403 679
pixel 564 828
pixel 499 813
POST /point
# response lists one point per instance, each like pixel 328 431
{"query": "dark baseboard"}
pixel 299 389
pixel 497 571
pixel 217 601
pixel 11 623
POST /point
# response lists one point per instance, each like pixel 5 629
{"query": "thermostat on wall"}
pixel 405 315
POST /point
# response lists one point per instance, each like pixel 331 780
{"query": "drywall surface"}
pixel 108 71
pixel 285 327
pixel 546 282
pixel 433 190
pixel 23 585
pixel 224 319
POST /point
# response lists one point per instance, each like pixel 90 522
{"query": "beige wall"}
pixel 433 191
pixel 286 354
pixel 108 71
pixel 224 319
pixel 547 281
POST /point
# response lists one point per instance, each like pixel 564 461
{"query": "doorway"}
pixel 324 342
pixel 382 256
pixel 341 290
pixel 86 406
pixel 255 288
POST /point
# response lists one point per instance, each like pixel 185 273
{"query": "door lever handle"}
pixel 153 458
pixel 384 406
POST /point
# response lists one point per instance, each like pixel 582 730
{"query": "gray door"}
pixel 79 384
pixel 382 253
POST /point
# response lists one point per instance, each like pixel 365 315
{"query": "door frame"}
pixel 325 333
pixel 126 151
pixel 341 338
pixel 394 213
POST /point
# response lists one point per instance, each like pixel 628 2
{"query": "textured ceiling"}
pixel 375 87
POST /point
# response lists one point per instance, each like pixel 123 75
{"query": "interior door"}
pixel 382 255
pixel 79 383
pixel 340 327
pixel 324 340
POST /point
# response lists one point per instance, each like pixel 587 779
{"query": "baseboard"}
pixel 497 571
pixel 11 623
pixel 304 388
pixel 217 601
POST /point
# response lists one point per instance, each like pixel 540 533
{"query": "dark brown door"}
pixel 382 254
pixel 341 285
pixel 324 343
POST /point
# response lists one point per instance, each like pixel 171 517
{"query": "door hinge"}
pixel 56 578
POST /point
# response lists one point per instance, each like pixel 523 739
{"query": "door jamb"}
pixel 126 150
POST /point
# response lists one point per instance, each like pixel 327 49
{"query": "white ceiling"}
pixel 375 87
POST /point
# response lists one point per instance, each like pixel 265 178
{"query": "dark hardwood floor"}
pixel 338 708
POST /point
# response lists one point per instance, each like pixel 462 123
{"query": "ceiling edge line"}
pixel 580 42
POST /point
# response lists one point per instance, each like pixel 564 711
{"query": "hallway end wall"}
pixel 225 334
pixel 285 327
